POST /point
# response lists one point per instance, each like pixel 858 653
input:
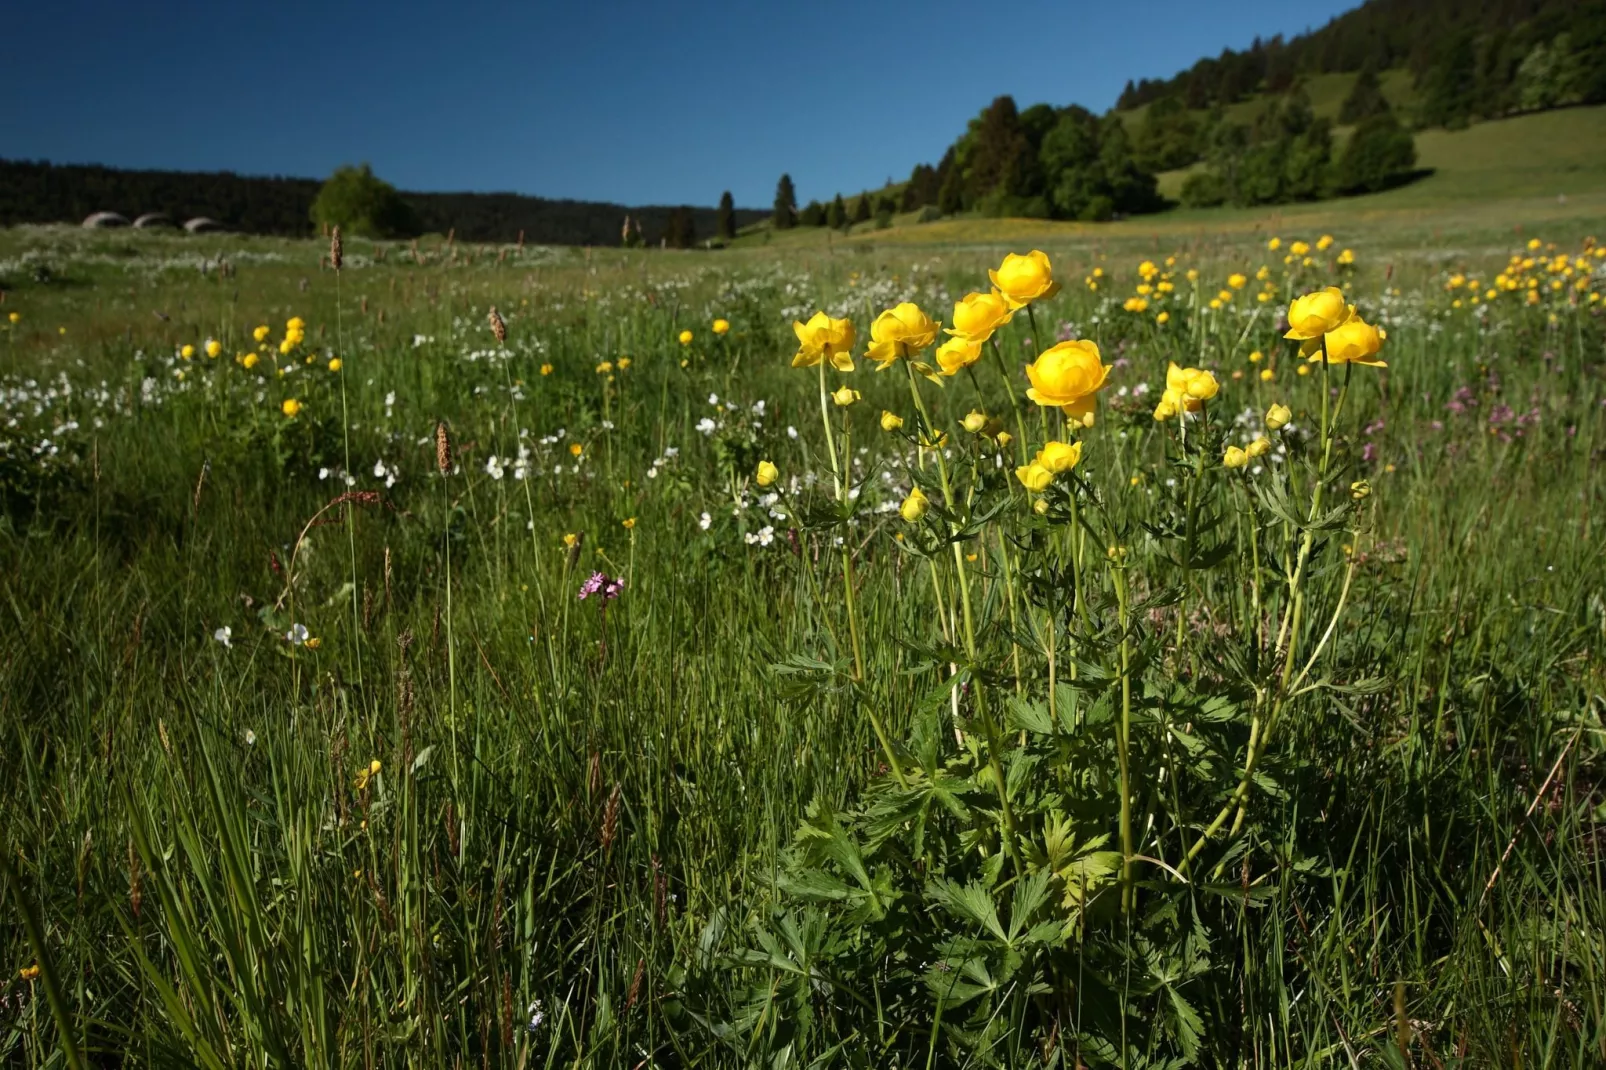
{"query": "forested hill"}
pixel 1469 60
pixel 39 192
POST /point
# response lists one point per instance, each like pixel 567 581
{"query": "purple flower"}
pixel 613 589
pixel 592 585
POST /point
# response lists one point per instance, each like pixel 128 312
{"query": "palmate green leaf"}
pixel 971 903
pixel 1030 896
pixel 1186 1025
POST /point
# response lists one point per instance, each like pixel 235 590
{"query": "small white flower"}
pixel 713 399
pixel 704 521
pixel 323 473
pixel 493 467
pixel 297 634
pixel 607 425
pixel 379 469
pixel 223 635
pixel 791 432
pixel 706 426
pixel 250 738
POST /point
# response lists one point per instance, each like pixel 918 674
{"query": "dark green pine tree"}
pixel 1451 84
pixel 861 209
pixel 785 204
pixel 951 195
pixel 727 216
pixel 836 216
pixel 1365 97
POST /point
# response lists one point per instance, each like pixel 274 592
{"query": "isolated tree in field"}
pixel 785 204
pixel 727 216
pixel 1365 97
pixel 362 204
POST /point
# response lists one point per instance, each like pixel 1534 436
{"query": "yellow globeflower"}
pixel 571 539
pixel 1166 407
pixel 1275 244
pixel 1237 280
pixel 15 318
pixel 186 351
pixel 261 333
pixel 685 338
pixel 249 360
pixel 295 323
pixel 978 315
pixel 546 369
pixel 914 507
pixel 286 347
pixel 767 473
pixel 1324 243
pixel 1298 248
pixel 1163 318
pixel 213 347
pixel 1034 476
pixel 824 338
pixel 890 421
pixel 1352 342
pixel 1234 458
pixel 334 364
pixel 1059 457
pixel 845 396
pixel 628 523
pixel 1278 416
pixel 1317 313
pixel 901 331
pixel 974 421
pixel 722 326
pixel 1024 279
pixel 957 353
pixel 1259 446
pixel 291 407
pixel 1068 375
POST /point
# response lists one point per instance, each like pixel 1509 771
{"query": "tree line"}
pixel 41 192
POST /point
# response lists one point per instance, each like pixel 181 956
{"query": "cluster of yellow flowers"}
pixel 1055 458
pixel 1538 272
pixel 1186 390
pixel 1156 285
pixel 1325 325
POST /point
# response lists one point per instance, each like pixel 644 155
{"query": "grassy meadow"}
pixel 622 693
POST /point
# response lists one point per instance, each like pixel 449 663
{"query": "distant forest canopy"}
pixel 40 192
pixel 1468 61
pixel 1481 59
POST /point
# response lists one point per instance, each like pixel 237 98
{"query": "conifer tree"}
pixel 785 204
pixel 727 216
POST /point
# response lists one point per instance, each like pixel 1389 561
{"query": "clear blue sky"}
pixel 621 100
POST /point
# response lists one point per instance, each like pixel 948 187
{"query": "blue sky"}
pixel 621 100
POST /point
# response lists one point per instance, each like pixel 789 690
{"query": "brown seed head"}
pixel 610 818
pixel 498 327
pixel 337 252
pixel 443 449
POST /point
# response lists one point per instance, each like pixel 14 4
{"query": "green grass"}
pixel 589 810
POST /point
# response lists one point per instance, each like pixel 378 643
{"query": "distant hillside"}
pixel 1426 63
pixel 1467 60
pixel 40 192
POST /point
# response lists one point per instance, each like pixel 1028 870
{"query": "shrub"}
pixel 364 205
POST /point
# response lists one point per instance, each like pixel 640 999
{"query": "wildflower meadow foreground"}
pixel 504 656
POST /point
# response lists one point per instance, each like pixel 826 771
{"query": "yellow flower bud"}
pixel 914 507
pixel 1359 489
pixel 1234 458
pixel 187 352
pixel 290 407
pixel 334 364
pixel 975 421
pixel 685 338
pixel 722 326
pixel 767 473
pixel 1259 446
pixel 1005 438
pixel 213 347
pixel 845 396
pixel 890 421
pixel 1277 416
